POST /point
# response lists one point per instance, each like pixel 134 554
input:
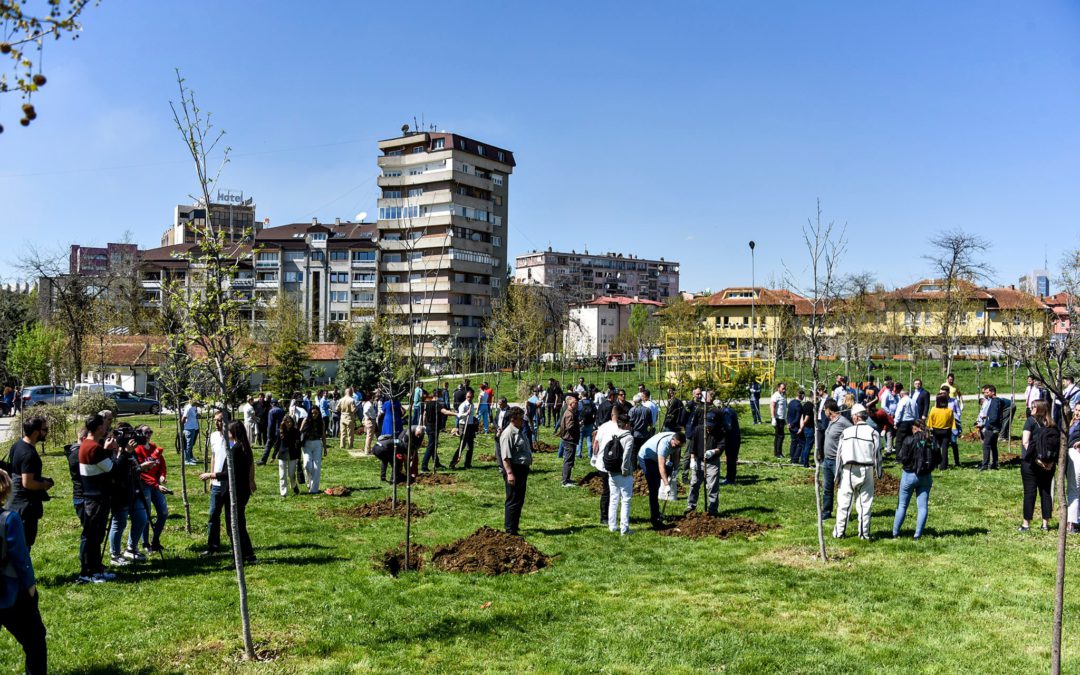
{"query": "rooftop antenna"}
pixel 414 124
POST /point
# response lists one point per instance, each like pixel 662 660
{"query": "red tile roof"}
pixel 149 350
pixel 1010 298
pixel 623 300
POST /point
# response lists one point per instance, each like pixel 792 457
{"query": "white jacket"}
pixel 859 444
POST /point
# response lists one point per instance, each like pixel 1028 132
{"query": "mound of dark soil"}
pixel 697 525
pixel 393 561
pixel 382 507
pixel 486 458
pixel 1008 459
pixel 541 446
pixel 888 486
pixel 338 491
pixel 491 552
pixel 594 481
pixel 435 479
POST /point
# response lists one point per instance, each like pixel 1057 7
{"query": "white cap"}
pixel 858 409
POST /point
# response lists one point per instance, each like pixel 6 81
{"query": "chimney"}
pixel 337 221
pixel 266 222
pixel 314 221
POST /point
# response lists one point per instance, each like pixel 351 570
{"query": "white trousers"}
pixel 286 475
pixel 622 488
pixel 252 431
pixel 855 483
pixel 313 452
pixel 1072 485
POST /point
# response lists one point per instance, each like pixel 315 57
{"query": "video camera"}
pixel 124 436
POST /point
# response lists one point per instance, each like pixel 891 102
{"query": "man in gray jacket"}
pixel 830 442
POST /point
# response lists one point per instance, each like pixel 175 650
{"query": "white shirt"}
pixel 780 407
pixel 465 412
pixel 604 433
pixel 298 413
pixel 654 409
pixel 838 393
pixel 191 418
pixel 371 412
pixel 599 398
pixel 249 412
pixel 219 446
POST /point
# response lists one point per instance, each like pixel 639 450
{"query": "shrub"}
pixel 59 421
pixel 86 405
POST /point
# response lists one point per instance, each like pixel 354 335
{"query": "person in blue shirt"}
pixel 658 457
pixel 18 589
pixel 392 417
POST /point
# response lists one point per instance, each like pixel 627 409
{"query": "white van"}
pixel 84 388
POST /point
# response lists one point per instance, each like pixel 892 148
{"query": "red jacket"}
pixel 153 475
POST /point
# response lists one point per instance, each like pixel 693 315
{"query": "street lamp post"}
pixel 753 313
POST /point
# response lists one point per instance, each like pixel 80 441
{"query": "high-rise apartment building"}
pixel 95 260
pixel 585 275
pixel 442 235
pixel 232 214
pixel 1036 283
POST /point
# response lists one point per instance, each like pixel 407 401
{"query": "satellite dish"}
pixel 360 216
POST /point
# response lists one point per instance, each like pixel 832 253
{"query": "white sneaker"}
pixel 83 579
pixel 134 555
pixel 120 561
pixel 101 578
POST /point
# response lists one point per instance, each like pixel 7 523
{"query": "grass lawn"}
pixel 974 595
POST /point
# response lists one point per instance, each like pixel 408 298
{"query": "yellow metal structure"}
pixel 705 353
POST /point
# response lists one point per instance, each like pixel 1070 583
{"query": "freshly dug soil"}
pixel 971 435
pixel 382 507
pixel 393 561
pixel 435 479
pixel 697 525
pixel 491 552
pixel 595 483
pixel 886 486
pixel 544 447
pixel 338 491
pixel 486 458
pixel 1008 459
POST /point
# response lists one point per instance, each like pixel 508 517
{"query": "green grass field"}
pixel 974 595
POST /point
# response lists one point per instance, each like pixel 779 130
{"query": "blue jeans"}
pixel 485 415
pixel 219 501
pixel 807 443
pixel 920 485
pixel 755 408
pixel 190 435
pixel 119 522
pixel 586 440
pixel 161 507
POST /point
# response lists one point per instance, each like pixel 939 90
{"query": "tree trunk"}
pixel 238 559
pixel 181 445
pixel 1059 584
pixel 817 466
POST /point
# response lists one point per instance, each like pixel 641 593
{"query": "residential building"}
pixel 593 325
pixel 1036 283
pixel 330 269
pixel 585 275
pixel 97 261
pixel 231 214
pixel 442 235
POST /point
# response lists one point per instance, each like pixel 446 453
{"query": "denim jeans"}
pixel 137 512
pixel 219 498
pixel 485 415
pixel 161 507
pixel 755 408
pixel 807 443
pixel 190 436
pixel 586 440
pixel 920 486
pixel 828 479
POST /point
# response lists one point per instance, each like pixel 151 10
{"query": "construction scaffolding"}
pixel 703 354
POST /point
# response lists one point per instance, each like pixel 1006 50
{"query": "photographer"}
pixel 96 471
pixel 152 459
pixel 127 499
pixel 29 488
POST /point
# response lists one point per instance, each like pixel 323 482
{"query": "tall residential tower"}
pixel 442 236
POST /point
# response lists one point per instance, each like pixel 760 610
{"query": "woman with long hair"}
pixel 313 436
pixel 288 457
pixel 244 465
pixel 1036 475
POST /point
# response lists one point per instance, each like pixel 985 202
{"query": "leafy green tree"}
pixel 363 362
pixel 16 314
pixel 34 353
pixel 288 348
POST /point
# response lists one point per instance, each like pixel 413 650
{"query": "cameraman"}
pixel 29 488
pixel 96 471
pixel 152 459
pixel 126 498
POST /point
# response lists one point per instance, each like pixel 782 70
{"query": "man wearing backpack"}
pixel 989 424
pixel 918 455
pixel 587 417
pixel 858 464
pixel 614 460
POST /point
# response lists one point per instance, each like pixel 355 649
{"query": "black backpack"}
pixel 613 454
pixel 919 453
pixel 587 412
pixel 1047 444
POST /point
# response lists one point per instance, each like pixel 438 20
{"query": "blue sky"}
pixel 678 129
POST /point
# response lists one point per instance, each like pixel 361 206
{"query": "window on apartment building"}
pixel 496 282
pixel 363 277
pixel 363 297
pixel 465 168
pixel 502 156
pixel 339 255
pixel 480 150
pixel 392 257
pixel 392 236
pixel 266 276
pixel 461 143
pixel 416 192
pixel 294 277
pixel 318 236
pixel 417 320
pixel 416 171
pixel 266 258
pixel 416 255
pixel 438 144
pixel 497 179
pixel 391 194
pixel 363 256
pixel 294 255
pixel 318 256
pixel 392 173
pixel 496 241
pixel 339 277
pixel 417 150
pixel 391 279
pixel 339 316
pixel 339 296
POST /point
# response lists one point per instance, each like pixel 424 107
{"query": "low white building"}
pixel 593 325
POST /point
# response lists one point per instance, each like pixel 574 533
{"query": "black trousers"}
pixel 95 524
pixel 467 441
pixel 942 439
pixel 515 497
pixel 990 449
pixel 1036 479
pixel 605 497
pixel 731 454
pixel 652 477
pixel 23 621
pixel 272 446
pixel 903 430
pixel 778 441
pixel 432 441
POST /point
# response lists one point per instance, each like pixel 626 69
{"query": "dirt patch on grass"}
pixel 697 525
pixel 393 561
pixel 338 491
pixel 886 486
pixel 381 508
pixel 594 481
pixel 486 458
pixel 805 557
pixel 435 479
pixel 1008 459
pixel 541 446
pixel 803 478
pixel 491 552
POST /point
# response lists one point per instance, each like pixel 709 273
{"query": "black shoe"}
pixel 440 466
pixel 296 490
pixel 993 467
pixel 982 468
pixel 251 559
pixel 424 469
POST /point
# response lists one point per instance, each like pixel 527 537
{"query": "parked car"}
pixel 45 393
pixel 130 404
pixel 83 388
